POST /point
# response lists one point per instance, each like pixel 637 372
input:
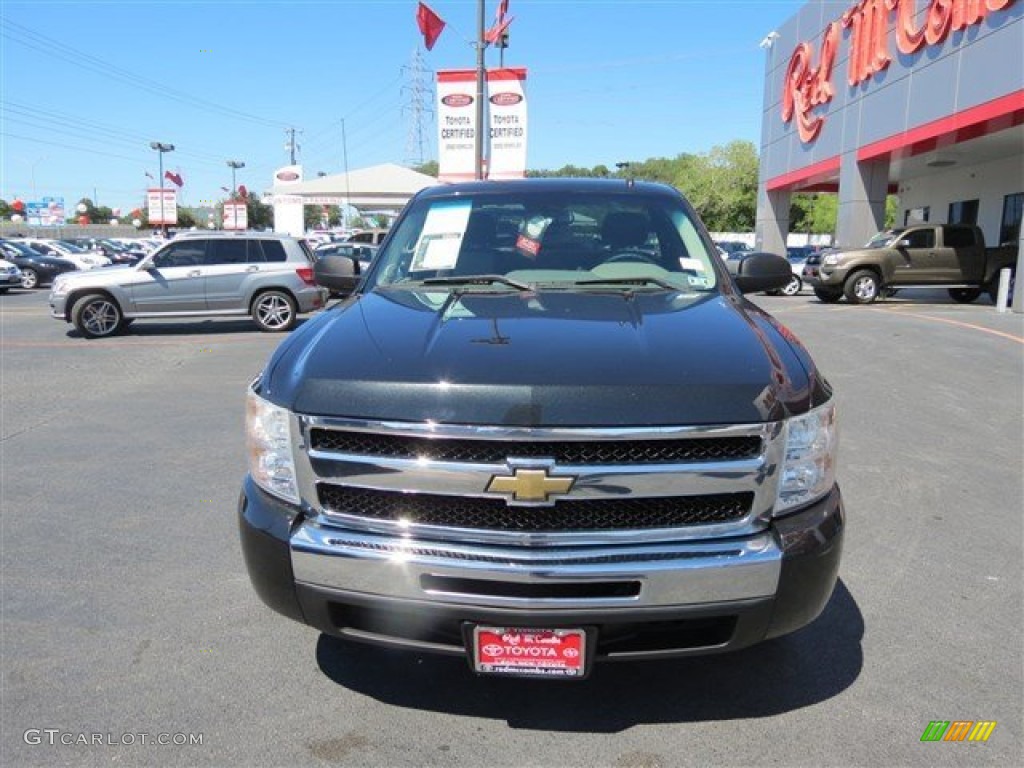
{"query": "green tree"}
pixel 430 168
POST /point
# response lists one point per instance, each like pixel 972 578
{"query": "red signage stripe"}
pixel 816 173
pixel 992 116
pixel 456 76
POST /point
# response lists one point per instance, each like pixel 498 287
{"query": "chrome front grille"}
pixel 566 515
pixel 628 485
pixel 472 451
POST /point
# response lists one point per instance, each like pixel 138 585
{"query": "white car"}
pixel 80 257
pixel 10 276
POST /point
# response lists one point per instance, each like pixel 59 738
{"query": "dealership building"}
pixel 923 99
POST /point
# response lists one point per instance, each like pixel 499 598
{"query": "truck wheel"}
pixel 862 287
pixel 826 296
pixel 274 311
pixel 964 295
pixel 96 315
pixel 792 288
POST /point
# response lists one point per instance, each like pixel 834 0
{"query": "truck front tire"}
pixel 862 287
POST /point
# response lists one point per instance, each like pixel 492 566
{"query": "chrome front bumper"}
pixel 467 574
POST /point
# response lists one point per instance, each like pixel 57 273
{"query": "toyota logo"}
pixel 493 649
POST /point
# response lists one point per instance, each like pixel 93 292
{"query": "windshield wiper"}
pixel 478 280
pixel 631 281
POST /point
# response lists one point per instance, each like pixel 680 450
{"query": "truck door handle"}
pixel 253 268
pixel 194 273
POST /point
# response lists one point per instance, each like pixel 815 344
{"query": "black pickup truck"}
pixel 546 429
pixel 948 255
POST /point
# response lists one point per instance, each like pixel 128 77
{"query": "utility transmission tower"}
pixel 418 98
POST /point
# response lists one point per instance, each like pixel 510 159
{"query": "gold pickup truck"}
pixel 949 255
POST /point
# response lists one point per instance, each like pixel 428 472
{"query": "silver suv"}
pixel 266 276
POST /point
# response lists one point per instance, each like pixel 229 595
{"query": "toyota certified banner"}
pixel 167 213
pixel 506 104
pixel 236 216
pixel 288 214
pixel 456 124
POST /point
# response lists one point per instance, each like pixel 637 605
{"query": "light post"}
pixel 160 147
pixel 234 165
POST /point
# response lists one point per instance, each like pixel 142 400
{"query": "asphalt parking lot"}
pixel 127 612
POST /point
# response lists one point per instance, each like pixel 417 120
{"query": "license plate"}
pixel 519 652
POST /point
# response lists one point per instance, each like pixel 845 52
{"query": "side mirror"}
pixel 338 274
pixel 904 243
pixel 761 271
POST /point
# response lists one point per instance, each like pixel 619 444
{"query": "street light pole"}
pixel 160 148
pixel 480 74
pixel 234 165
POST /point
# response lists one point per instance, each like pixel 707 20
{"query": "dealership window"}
pixel 964 212
pixel 916 215
pixel 1013 209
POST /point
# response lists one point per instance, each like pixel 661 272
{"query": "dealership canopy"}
pixel 387 187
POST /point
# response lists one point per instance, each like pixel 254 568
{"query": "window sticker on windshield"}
pixel 441 237
pixel 695 264
pixel 530 234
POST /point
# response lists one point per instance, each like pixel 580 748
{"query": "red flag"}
pixel 493 35
pixel 430 25
pixel 174 178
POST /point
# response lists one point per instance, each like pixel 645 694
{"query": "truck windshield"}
pixel 581 241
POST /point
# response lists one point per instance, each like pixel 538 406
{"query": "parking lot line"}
pixel 958 323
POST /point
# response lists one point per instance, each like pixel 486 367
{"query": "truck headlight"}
pixel 59 288
pixel 268 440
pixel 809 467
pixel 831 260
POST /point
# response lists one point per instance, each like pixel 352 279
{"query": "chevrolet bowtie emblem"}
pixel 530 485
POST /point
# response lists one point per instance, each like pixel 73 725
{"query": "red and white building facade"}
pixel 923 99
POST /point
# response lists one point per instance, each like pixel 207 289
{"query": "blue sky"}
pixel 86 85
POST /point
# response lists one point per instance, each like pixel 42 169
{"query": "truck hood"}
pixel 546 358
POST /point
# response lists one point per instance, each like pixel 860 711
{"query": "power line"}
pixel 31 39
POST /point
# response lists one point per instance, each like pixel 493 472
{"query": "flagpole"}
pixel 480 74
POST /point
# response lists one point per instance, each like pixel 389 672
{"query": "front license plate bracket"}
pixel 553 653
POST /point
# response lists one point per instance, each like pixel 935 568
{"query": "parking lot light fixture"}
pixel 160 147
pixel 234 165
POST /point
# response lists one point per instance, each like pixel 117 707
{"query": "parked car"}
pixel 579 445
pixel 732 246
pixel 198 274
pixel 81 258
pixel 116 252
pixel 10 276
pixel 797 257
pixel 37 269
pixel 368 236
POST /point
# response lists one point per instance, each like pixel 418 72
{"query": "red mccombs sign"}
pixel 808 86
